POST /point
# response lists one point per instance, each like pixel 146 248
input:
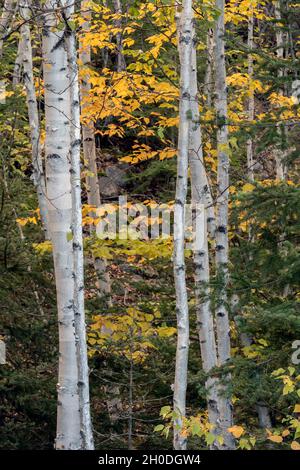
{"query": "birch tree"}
pixel 222 248
pixel 78 262
pixel 180 385
pixel 57 146
pixel 202 200
pixel 201 188
pixel 7 13
pixel 33 115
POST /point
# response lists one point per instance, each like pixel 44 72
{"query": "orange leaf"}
pixel 295 445
pixel 275 438
pixel 237 431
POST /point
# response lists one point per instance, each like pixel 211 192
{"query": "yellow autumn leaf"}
pixel 289 386
pixel 297 408
pixel 295 445
pixel 263 342
pixel 274 438
pixel 184 433
pixel 22 222
pixel 149 317
pixel 248 187
pixel 243 226
pixel 166 331
pixel 167 153
pixel 236 431
pixel 43 247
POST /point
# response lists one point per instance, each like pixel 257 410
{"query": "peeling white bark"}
pixel 78 273
pixel 7 13
pixel 180 385
pixel 222 248
pixel 33 115
pixel 201 196
pixel 57 145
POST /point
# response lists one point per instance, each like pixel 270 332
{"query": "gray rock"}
pixel 118 174
pixel 107 187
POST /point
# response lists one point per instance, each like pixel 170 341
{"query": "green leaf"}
pixel 160 133
pixel 196 428
pixel 72 25
pixel 278 372
pixel 210 438
pixel 165 411
pixel 159 427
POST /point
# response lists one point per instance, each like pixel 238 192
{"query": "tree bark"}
pixel 78 272
pixel 205 320
pixel 57 145
pixel 180 385
pixel 222 248
pixel 7 13
pixel 33 115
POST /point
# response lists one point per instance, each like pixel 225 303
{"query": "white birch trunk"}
pixel 201 190
pixel 199 186
pixel 7 13
pixel 180 385
pixel 57 145
pixel 33 115
pixel 78 273
pixel 222 318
